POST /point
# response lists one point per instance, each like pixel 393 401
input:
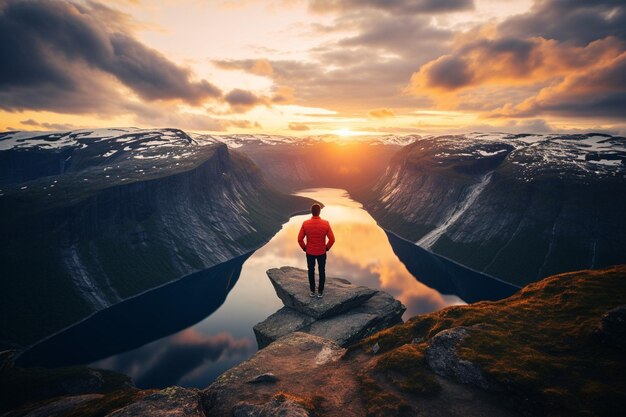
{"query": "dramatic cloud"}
pixel 365 65
pixel 394 6
pixel 597 91
pixel 71 57
pixel 576 21
pixel 536 59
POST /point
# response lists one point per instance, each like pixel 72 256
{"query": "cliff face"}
pixel 93 219
pixel 517 207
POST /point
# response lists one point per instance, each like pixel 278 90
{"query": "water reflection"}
pixel 364 256
pixel 133 322
pixel 132 337
pixel 448 276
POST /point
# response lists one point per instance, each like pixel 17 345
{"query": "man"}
pixel 315 230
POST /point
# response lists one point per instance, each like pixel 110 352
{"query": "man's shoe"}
pixel 311 294
pixel 320 294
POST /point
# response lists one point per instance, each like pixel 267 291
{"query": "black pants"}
pixel 321 264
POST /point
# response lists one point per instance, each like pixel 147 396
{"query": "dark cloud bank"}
pixel 73 57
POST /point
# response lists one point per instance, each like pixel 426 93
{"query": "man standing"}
pixel 316 229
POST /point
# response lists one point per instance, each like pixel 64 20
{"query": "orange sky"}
pixel 315 67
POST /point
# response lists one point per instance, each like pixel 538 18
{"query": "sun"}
pixel 344 132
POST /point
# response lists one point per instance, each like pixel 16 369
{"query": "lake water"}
pixel 190 331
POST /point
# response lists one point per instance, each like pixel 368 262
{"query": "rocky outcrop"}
pixel 443 358
pixel 345 314
pixel 169 402
pixel 299 360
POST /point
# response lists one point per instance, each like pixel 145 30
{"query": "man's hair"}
pixel 315 209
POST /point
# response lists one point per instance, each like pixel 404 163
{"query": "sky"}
pixel 296 67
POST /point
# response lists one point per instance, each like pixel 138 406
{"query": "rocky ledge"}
pixel 347 312
pixel 554 348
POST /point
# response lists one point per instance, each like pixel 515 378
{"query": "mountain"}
pixel 92 217
pixel 294 163
pixel 518 207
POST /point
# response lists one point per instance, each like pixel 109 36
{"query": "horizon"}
pixel 320 67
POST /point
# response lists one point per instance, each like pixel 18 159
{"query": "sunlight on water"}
pixel 362 254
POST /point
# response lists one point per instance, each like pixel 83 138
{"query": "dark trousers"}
pixel 321 264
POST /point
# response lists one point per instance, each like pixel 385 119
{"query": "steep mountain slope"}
pixel 518 207
pixel 89 218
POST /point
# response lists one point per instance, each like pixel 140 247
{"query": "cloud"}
pixel 383 113
pixel 574 21
pixel 262 67
pixel 79 58
pixel 298 126
pixel 49 126
pixel 394 6
pixel 597 91
pixel 241 100
pixel 366 82
pixel 533 66
pixel 30 122
pixel 405 35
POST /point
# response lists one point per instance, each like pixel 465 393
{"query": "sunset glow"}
pixel 312 67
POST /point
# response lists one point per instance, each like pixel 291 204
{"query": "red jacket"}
pixel 316 229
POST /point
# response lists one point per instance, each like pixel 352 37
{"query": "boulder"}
pixel 612 327
pixel 376 313
pixel 292 287
pixel 170 402
pixel 443 358
pixel 267 377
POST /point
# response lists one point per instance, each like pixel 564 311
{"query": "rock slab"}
pixel 346 313
pixel 376 313
pixel 292 287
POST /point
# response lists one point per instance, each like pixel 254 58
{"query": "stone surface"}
pixel 63 405
pixel 276 407
pixel 377 313
pixel 292 287
pixel 612 327
pixel 266 377
pixel 305 366
pixel 170 402
pixel 443 358
pixel 284 321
